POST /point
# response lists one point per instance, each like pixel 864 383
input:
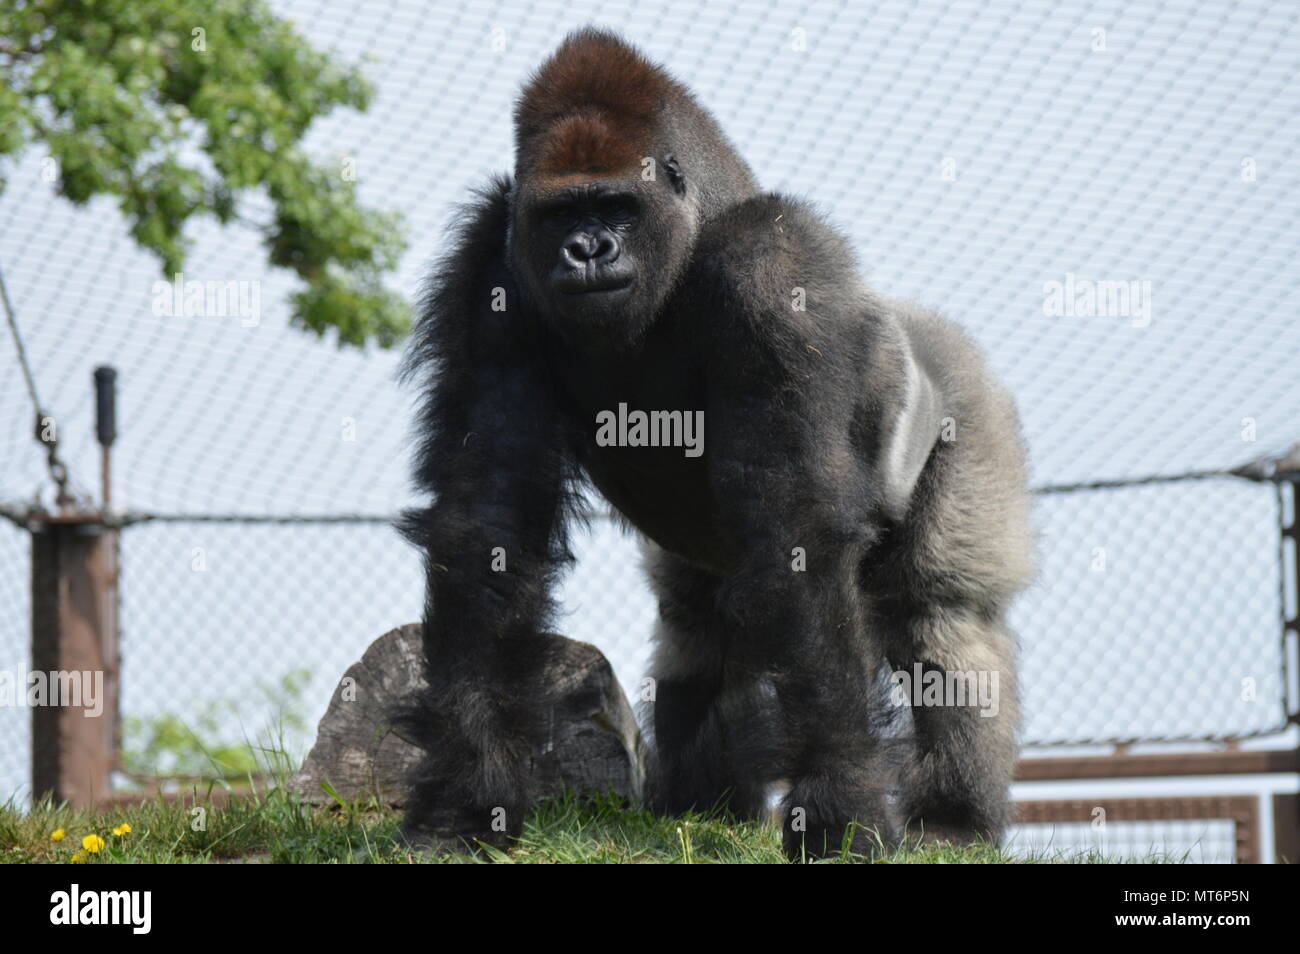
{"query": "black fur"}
pixel 864 432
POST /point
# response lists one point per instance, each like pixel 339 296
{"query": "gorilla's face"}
pixel 600 254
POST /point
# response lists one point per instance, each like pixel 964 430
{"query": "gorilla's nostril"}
pixel 606 250
pixel 580 247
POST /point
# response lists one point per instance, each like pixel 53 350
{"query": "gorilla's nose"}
pixel 589 248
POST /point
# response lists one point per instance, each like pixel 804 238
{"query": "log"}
pixel 593 743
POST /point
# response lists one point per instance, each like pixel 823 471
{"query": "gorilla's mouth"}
pixel 591 282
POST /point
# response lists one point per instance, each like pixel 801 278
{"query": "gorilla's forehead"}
pixel 590 143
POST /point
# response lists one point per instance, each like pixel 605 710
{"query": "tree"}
pixel 188 107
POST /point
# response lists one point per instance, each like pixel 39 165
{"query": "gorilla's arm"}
pixel 818 422
pixel 493 537
pixel 816 395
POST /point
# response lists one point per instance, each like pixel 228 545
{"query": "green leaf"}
pixel 116 91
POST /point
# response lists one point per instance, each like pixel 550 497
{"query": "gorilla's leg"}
pixel 955 785
pixel 940 583
pixel 699 710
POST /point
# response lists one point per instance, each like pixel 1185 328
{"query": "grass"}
pixel 276 827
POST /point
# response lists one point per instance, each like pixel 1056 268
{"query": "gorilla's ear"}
pixel 675 174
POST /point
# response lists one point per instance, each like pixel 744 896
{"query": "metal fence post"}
pixel 75 653
pixel 76 731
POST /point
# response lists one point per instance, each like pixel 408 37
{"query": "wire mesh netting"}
pixel 971 154
pixel 15 597
pixel 1156 615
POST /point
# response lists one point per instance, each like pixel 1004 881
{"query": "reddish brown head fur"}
pixel 590 108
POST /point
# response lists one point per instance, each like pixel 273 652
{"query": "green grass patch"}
pixel 276 827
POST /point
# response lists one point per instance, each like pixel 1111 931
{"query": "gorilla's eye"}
pixel 619 211
pixel 559 217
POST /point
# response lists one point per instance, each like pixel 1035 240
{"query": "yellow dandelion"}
pixel 79 858
pixel 57 834
pixel 122 829
pixel 92 843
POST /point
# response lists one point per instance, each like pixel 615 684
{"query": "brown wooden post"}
pixel 75 651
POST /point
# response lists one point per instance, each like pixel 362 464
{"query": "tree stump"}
pixel 592 748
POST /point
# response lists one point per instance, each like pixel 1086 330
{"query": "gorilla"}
pixel 854 504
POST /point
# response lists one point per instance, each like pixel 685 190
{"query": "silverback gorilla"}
pixel 856 507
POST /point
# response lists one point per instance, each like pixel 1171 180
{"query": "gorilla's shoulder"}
pixel 475 236
pixel 475 240
pixel 455 288
pixel 758 253
pixel 483 218
pixel 773 227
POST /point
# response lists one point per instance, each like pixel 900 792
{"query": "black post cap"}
pixel 105 405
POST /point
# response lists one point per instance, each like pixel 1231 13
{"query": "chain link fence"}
pixel 1156 616
pixel 15 597
pixel 1157 613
